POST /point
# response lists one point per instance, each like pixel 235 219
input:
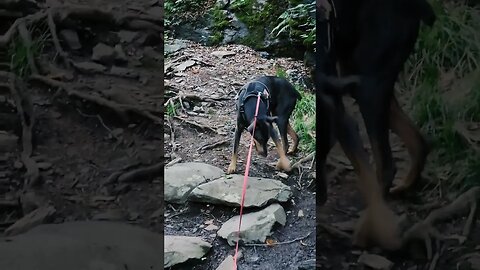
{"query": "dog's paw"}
pixel 232 168
pixel 283 164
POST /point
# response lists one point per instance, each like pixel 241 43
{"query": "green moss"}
pixel 259 20
pixel 220 23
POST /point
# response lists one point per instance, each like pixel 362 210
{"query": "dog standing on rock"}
pixel 278 100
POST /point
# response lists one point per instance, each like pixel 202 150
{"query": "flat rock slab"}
pixel 179 249
pixel 86 245
pixel 374 261
pixel 228 191
pixel 256 226
pixel 227 264
pixel 182 178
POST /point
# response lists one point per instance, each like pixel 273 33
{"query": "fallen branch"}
pixel 303 160
pixel 25 112
pixel 334 231
pixel 279 243
pixel 425 230
pixel 56 41
pixel 120 109
pixel 141 173
pixel 197 125
pixel 213 145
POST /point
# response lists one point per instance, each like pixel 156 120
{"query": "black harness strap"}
pixel 265 96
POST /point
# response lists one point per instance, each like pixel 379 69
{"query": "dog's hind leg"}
pixel 233 163
pixel 294 137
pixel 283 162
pixel 378 223
pixel 417 147
pixel 373 99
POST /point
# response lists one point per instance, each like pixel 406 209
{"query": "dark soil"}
pixel 80 144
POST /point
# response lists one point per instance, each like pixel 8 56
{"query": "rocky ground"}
pixel 81 123
pixel 201 83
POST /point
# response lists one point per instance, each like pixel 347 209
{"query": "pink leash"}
pixel 245 181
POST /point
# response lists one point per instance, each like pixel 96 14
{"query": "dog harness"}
pixel 251 89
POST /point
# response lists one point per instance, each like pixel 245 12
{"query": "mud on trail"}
pixel 83 79
pixel 202 130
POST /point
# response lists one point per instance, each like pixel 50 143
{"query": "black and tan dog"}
pixel 371 39
pixel 278 100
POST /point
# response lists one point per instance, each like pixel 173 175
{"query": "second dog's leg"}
pixel 295 139
pixel 283 162
pixel 414 141
pixel 233 163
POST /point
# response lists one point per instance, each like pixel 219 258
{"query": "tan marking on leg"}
pixel 294 137
pixel 283 162
pixel 233 164
pixel 401 125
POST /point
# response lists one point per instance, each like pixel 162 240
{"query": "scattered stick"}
pixel 25 112
pixel 425 230
pixel 434 262
pixel 120 109
pixel 175 161
pixel 279 243
pixel 303 160
pixel 197 125
pixel 213 145
pixel 142 173
pixel 56 41
pixel 334 231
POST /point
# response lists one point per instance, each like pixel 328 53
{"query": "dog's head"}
pixel 262 133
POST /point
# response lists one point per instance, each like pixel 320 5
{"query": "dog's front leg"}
pixel 233 163
pixel 283 162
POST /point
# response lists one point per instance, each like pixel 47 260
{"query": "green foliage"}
pixel 18 50
pixel 298 22
pixel 303 117
pixel 450 48
pixel 220 23
pixel 177 11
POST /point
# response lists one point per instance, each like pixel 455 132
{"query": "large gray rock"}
pixel 82 246
pixel 179 249
pixel 256 226
pixel 228 191
pixel 182 178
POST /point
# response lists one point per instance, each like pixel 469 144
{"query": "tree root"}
pixel 425 230
pixel 135 175
pixel 62 14
pixel 121 109
pixel 25 112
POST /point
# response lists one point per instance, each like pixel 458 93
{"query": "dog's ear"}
pixel 271 119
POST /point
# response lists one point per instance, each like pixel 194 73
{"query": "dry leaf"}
pixel 270 242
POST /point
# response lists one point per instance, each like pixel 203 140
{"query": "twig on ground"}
pixel 120 109
pixel 56 41
pixel 25 112
pixel 172 134
pixel 197 125
pixel 175 161
pixel 434 262
pixel 142 173
pixel 99 119
pixel 334 231
pixel 303 160
pixel 213 145
pixel 425 230
pixel 278 243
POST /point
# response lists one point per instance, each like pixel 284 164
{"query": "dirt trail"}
pixel 90 125
pixel 208 88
